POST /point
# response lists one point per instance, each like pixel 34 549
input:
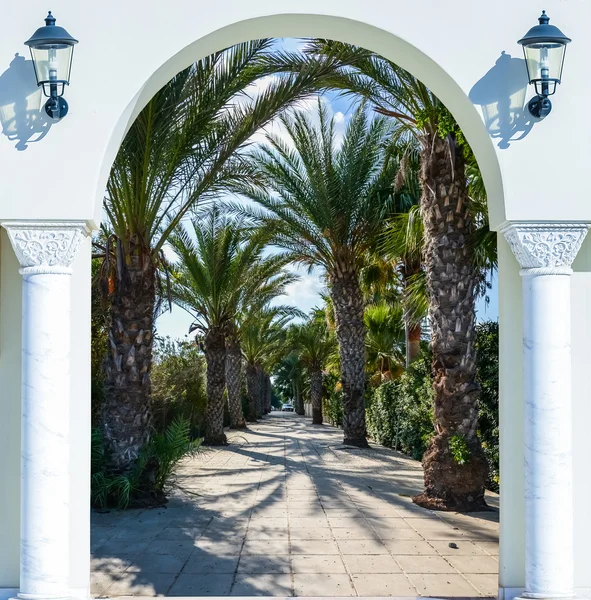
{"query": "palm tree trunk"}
pixel 413 343
pixel 234 383
pixel 316 396
pixel 267 394
pixel 259 392
pixel 348 308
pixel 299 401
pixel 251 390
pixel 215 357
pixel 125 414
pixel 451 483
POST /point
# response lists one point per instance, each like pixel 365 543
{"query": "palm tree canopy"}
pixel 322 200
pixel 222 270
pixel 182 147
pixel 314 343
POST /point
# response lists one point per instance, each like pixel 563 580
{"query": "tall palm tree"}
pixel 314 346
pixel 221 270
pixel 321 202
pixel 452 276
pixel 263 340
pixel 182 149
pixel 270 281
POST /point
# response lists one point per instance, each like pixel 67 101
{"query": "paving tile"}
pixel 474 564
pixel 111 564
pixel 100 582
pixel 141 584
pixel 364 564
pixel 362 547
pixel 262 585
pixel 354 533
pixel 308 533
pixel 424 564
pixel 447 584
pixel 180 548
pixel 202 585
pixel 487 584
pixel 220 547
pixel 156 563
pixel 312 547
pixel 402 534
pixel 316 585
pixel 317 564
pixel 120 548
pixel 461 548
pixel 204 564
pixel 383 585
pixel 266 547
pixel 264 564
pixel 404 547
pixel 491 548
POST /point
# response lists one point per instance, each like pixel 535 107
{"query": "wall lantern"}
pixel 52 48
pixel 544 47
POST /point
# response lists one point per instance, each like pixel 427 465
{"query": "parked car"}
pixel 288 407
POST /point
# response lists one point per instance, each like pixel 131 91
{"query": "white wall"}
pixel 511 437
pixel 458 53
pixel 80 424
pixel 581 365
pixel 10 411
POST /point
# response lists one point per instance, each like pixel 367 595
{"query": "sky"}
pixel 305 293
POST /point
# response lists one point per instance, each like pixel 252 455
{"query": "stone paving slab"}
pixel 286 510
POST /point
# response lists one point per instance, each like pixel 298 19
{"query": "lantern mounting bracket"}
pixel 539 106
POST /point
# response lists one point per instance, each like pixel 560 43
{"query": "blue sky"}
pixel 305 293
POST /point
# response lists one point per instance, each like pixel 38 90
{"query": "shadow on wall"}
pixel 21 104
pixel 501 96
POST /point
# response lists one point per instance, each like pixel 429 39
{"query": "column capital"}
pixel 545 248
pixel 44 247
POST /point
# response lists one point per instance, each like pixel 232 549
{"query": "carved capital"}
pixel 45 247
pixel 546 247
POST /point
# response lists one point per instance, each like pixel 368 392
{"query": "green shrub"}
pixel 332 403
pixel 151 475
pixel 487 372
pixel 400 412
pixel 178 385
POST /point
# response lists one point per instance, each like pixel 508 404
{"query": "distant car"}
pixel 287 408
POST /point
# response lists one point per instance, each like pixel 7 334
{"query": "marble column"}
pixel 545 252
pixel 45 252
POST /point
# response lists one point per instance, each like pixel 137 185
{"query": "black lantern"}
pixel 52 48
pixel 544 47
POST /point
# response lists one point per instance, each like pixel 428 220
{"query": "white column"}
pixel 545 252
pixel 45 252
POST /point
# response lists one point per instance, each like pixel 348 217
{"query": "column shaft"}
pixel 548 445
pixel 45 436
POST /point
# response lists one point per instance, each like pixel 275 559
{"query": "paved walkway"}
pixel 287 510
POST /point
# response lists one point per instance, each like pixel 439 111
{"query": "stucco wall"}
pixel 10 411
pixel 469 57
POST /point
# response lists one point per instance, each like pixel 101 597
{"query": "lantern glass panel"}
pixel 544 65
pixel 52 63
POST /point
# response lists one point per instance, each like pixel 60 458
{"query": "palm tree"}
pixel 221 270
pixel 314 346
pixel 385 340
pixel 263 342
pixel 452 275
pixel 322 204
pixel 182 149
pixel 270 282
